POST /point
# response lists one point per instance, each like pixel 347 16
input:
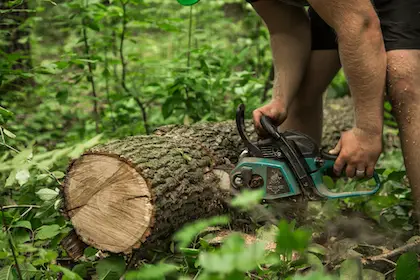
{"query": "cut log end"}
pixel 108 202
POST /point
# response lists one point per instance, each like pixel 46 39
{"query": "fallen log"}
pixel 138 191
pixel 117 194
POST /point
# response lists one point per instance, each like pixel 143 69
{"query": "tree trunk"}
pixel 138 191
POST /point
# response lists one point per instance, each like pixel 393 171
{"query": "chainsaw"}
pixel 286 164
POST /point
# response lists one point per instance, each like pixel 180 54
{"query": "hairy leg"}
pixel 306 111
pixel 404 91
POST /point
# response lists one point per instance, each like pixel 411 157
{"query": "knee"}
pixel 404 95
pixel 402 88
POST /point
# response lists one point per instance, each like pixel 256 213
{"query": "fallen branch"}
pixel 398 251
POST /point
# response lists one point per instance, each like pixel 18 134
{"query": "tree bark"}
pixel 138 191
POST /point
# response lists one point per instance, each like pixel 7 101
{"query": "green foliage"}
pixel 248 199
pixel 152 272
pixel 187 234
pixel 407 267
pixel 107 69
pixel 111 268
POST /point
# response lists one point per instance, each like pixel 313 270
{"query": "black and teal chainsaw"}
pixel 286 164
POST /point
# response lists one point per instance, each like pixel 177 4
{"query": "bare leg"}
pixel 306 112
pixel 290 39
pixel 404 90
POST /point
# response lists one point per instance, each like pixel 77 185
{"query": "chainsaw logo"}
pixel 276 184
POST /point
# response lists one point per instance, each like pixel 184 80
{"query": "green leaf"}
pixel 9 133
pixel 288 239
pixel 315 262
pixel 81 269
pixel 329 182
pixel 62 96
pixel 396 176
pixel 248 199
pixel 23 224
pixel 188 232
pixel 61 65
pixel 46 194
pixel 28 270
pixel 47 232
pixel 4 112
pixel 92 25
pixel 42 176
pixel 111 268
pixel 215 262
pixel 11 179
pixel 351 269
pixel 387 106
pixel 151 272
pixel 45 257
pixel 68 274
pixel 6 273
pixel 90 252
pixel 168 107
pixel 317 249
pixel 407 267
pixel 22 176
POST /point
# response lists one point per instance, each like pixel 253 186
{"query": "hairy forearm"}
pixel 290 43
pixel 364 62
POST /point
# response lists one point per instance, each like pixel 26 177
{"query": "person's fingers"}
pixel 336 149
pixel 256 116
pixel 360 170
pixel 350 170
pixel 370 170
pixel 339 164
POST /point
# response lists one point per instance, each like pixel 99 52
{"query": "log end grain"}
pixel 108 202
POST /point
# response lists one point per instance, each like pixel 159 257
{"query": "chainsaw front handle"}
pixel 326 192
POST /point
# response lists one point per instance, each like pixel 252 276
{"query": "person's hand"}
pixel 358 151
pixel 274 110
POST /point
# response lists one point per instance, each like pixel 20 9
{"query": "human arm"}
pixel 289 31
pixel 363 58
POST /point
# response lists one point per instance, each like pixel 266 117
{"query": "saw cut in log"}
pixel 138 191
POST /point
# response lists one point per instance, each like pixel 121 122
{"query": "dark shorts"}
pixel 400 23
